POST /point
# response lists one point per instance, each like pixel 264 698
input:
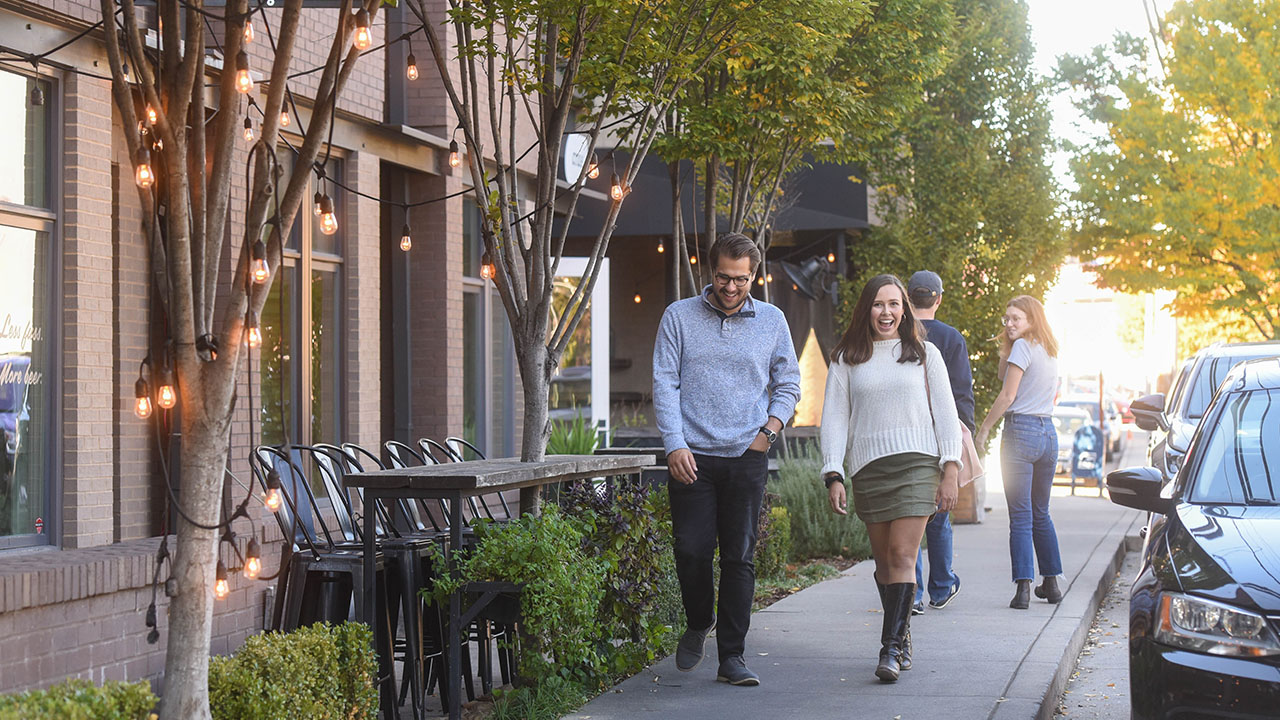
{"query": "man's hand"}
pixel 835 494
pixel 760 444
pixel 682 467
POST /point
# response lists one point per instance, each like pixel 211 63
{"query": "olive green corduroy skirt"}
pixel 896 486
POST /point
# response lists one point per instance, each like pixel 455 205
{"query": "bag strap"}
pixel 928 394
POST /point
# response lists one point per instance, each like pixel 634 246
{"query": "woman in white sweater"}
pixel 890 419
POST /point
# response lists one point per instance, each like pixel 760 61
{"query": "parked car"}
pixel 1112 426
pixel 1067 420
pixel 1204 611
pixel 1172 421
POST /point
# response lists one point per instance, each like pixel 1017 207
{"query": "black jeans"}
pixel 724 504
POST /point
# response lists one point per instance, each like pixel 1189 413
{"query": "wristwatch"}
pixel 769 435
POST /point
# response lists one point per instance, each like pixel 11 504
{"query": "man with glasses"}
pixel 725 382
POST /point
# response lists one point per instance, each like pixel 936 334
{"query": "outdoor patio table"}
pixel 454 482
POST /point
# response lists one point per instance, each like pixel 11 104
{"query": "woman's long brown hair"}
pixel 856 346
pixel 1039 331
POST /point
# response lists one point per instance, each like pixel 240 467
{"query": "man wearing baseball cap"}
pixel 924 291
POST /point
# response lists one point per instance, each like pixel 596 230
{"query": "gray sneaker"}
pixel 689 650
pixel 735 672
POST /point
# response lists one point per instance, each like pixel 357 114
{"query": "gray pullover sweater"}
pixel 717 378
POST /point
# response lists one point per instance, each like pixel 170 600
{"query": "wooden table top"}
pixel 499 473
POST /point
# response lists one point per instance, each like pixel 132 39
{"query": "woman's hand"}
pixel 980 442
pixel 835 494
pixel 949 488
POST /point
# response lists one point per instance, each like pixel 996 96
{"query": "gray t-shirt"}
pixel 1039 379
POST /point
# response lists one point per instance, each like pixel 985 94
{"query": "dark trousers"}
pixel 722 504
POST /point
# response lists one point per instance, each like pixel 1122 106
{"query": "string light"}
pixel 143 174
pixel 315 202
pixel 151 115
pixel 454 158
pixel 364 37
pixel 273 499
pixel 661 248
pixel 252 559
pixel 769 277
pixel 221 588
pixel 411 67
pixel 693 259
pixel 637 298
pixel 37 95
pixel 328 220
pixel 593 170
pixel 166 396
pixel 831 257
pixel 141 398
pixel 244 81
pixel 760 281
pixel 406 239
pixel 284 118
pixel 487 269
pixel 615 189
pixel 255 332
pixel 248 30
pixel 258 268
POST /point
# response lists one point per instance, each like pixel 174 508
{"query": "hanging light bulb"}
pixel 141 399
pixel 143 175
pixel 221 588
pixel 831 257
pixel 151 114
pixel 769 277
pixel 487 269
pixel 593 170
pixel 166 396
pixel 328 220
pixel 693 259
pixel 315 202
pixel 615 189
pixel 252 559
pixel 661 248
pixel 248 30
pixel 248 130
pixel 364 36
pixel 254 332
pixel 411 67
pixel 760 281
pixel 258 267
pixel 454 158
pixel 37 95
pixel 284 118
pixel 244 81
pixel 637 298
pixel 273 499
pixel 406 239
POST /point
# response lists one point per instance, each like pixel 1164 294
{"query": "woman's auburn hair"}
pixel 1038 331
pixel 856 346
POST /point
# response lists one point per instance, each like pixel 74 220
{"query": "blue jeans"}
pixel 1028 458
pixel 938 532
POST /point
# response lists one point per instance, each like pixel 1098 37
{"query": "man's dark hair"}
pixel 735 246
pixel 922 298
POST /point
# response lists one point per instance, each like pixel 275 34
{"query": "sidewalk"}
pixel 816 650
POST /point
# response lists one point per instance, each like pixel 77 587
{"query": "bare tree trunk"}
pixel 712 187
pixel 535 372
pixel 677 231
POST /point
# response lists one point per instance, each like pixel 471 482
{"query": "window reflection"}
pixel 1241 459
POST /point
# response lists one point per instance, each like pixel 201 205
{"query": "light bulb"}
pixel 221 588
pixel 454 158
pixel 248 30
pixel 244 81
pixel 760 281
pixel 248 130
pixel 411 67
pixel 315 202
pixel 831 257
pixel 141 399
pixel 364 36
pixel 487 270
pixel 143 174
pixel 284 118
pixel 273 498
pixel 255 332
pixel 769 277
pixel 258 267
pixel 151 115
pixel 693 259
pixel 406 239
pixel 328 220
pixel 637 298
pixel 661 248
pixel 615 189
pixel 166 396
pixel 593 170
pixel 252 559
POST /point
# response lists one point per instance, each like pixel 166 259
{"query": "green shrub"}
pixel 81 700
pixel 316 672
pixel 573 437
pixel 774 544
pixel 550 699
pixel 816 531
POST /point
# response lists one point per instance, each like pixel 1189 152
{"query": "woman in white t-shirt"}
pixel 1028 446
pixel 888 416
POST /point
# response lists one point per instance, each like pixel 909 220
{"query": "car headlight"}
pixel 1211 627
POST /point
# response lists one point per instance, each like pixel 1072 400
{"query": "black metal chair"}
pixel 457 447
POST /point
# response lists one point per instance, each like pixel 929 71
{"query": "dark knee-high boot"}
pixel 895 634
pixel 904 658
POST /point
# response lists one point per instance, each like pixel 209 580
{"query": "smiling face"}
pixel 1015 323
pixel 731 282
pixel 886 312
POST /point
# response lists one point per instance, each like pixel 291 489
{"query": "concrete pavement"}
pixel 816 650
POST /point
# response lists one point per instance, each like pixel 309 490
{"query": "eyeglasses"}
pixel 739 281
pixel 1007 321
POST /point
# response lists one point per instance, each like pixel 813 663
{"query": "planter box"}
pixel 971 504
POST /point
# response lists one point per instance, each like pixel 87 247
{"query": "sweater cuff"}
pixel 950 452
pixel 833 465
pixel 782 410
pixel 672 442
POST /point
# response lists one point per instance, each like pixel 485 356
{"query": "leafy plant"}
pixel 816 531
pixel 773 545
pixel 573 437
pixel 320 671
pixel 80 699
pixel 550 699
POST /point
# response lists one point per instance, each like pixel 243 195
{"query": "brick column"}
pixel 363 308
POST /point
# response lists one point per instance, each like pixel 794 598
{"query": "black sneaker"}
pixel 689 651
pixel 734 671
pixel 918 608
pixel 955 590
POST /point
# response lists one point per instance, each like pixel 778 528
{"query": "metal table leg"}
pixel 455 612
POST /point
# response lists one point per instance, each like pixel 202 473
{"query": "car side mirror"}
pixel 1148 412
pixel 1139 488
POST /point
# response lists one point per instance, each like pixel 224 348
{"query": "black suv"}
pixel 1173 421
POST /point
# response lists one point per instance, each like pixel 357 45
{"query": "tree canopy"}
pixel 1181 188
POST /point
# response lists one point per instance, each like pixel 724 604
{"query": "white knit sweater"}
pixel 879 408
